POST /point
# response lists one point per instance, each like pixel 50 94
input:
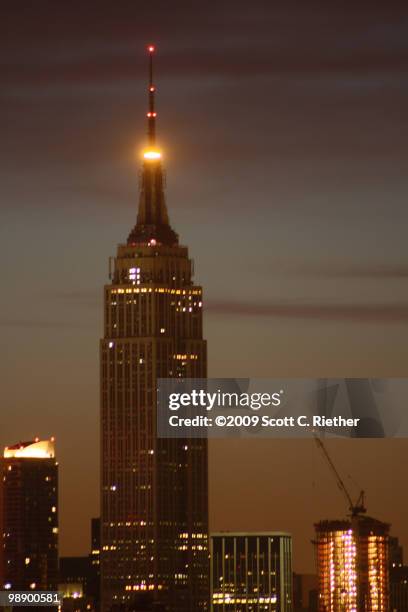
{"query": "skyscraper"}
pixel 29 530
pixel 352 565
pixel 154 503
pixel 251 571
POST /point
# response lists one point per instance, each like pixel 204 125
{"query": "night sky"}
pixel 285 135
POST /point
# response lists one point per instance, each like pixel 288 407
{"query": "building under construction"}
pixel 352 564
pixel 352 557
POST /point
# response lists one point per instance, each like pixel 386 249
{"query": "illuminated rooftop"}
pixel 34 449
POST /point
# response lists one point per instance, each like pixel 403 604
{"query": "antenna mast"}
pixel 151 114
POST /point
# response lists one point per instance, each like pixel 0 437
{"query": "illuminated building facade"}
pixel 352 564
pixel 30 516
pixel 251 571
pixel 154 502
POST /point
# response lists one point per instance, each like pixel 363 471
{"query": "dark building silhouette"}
pixel 74 576
pixel 29 516
pixel 399 589
pixel 76 584
pixel 398 578
pixel 79 577
pixel 154 512
pixel 305 593
pixel 251 571
pixel 353 564
pixel 395 552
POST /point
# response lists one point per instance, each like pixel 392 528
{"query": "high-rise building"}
pixel 251 571
pixel 352 565
pixel 154 502
pixel 29 530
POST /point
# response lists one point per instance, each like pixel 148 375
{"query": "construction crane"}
pixel 355 508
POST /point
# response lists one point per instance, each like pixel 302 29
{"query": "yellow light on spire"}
pixel 152 155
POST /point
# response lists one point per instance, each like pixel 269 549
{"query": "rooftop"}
pixel 33 449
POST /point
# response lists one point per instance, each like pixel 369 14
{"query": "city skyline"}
pixel 322 120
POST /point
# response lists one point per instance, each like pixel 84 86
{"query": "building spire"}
pixel 151 114
pixel 152 225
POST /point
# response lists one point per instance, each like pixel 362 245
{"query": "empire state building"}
pixel 154 498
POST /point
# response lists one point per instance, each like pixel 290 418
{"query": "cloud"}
pixel 388 313
pixel 63 47
pixel 85 297
pixel 38 324
pixel 363 271
pixel 361 313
